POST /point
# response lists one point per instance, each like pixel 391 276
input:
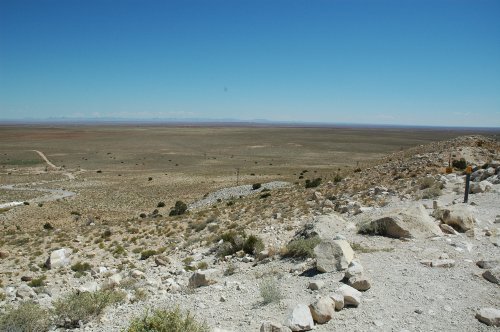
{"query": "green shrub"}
pixel 432 192
pixel 253 245
pixel 337 178
pixel 459 164
pixel 179 209
pixel 167 321
pixel 76 307
pixel 160 204
pixel 302 248
pixel 256 186
pixel 147 253
pixel 314 183
pixel 270 290
pixel 81 267
pixel 37 282
pixel 29 317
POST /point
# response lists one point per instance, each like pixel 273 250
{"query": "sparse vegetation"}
pixel 270 290
pixel 459 164
pixel 313 183
pixel 148 253
pixel 302 248
pixel 179 209
pixel 253 245
pixel 37 282
pixel 81 267
pixel 76 307
pixel 256 186
pixel 28 317
pixel 167 321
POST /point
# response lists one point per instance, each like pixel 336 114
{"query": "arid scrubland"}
pixel 295 223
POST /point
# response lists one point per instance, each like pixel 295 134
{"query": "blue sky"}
pixel 412 62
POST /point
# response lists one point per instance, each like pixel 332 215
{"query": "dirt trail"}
pixel 42 155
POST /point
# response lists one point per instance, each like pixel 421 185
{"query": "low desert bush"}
pixel 179 209
pixel 167 320
pixel 37 282
pixel 160 204
pixel 29 317
pixel 302 248
pixel 256 186
pixel 253 245
pixel 314 183
pixel 337 178
pixel 147 253
pixel 270 290
pixel 81 267
pixel 76 307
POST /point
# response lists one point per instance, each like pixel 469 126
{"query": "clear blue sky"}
pixel 412 62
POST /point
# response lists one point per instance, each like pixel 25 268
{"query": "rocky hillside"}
pixel 388 246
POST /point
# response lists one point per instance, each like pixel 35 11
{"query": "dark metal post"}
pixel 468 171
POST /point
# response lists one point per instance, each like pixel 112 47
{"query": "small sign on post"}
pixel 468 172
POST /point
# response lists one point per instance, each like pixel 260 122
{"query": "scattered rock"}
pixel 339 301
pixel 333 255
pixel 492 275
pixel 359 282
pixel 322 310
pixel 352 296
pixel 355 268
pixel 447 229
pixel 204 278
pixel 488 264
pixel 316 285
pixel 489 316
pixel 443 263
pixel 273 327
pixel 300 318
pixel 161 260
pixel 58 258
pixel 25 292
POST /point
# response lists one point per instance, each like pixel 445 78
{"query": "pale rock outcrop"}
pixel 300 318
pixel 322 310
pixel 481 187
pixel 458 216
pixel 204 278
pixel 59 258
pixel 333 255
pixel 355 268
pixel 410 222
pixel 489 316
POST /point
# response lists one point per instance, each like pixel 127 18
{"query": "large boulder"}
pixel 322 310
pixel 333 255
pixel 204 278
pixel 410 222
pixel 458 216
pixel 59 258
pixel 300 318
pixel 481 187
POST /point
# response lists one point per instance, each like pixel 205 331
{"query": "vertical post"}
pixel 468 171
pixel 237 176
